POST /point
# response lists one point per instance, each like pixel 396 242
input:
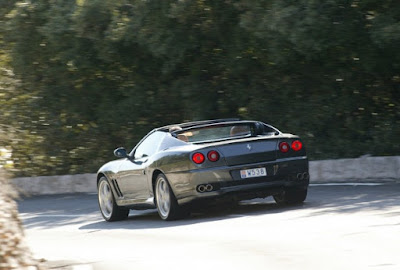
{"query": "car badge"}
pixel 248 147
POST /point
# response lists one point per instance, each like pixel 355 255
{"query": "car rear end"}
pixel 243 167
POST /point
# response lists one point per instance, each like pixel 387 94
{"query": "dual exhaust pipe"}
pixel 303 176
pixel 205 188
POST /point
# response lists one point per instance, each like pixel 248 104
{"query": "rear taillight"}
pixel 198 158
pixel 213 156
pixel 297 145
pixel 284 147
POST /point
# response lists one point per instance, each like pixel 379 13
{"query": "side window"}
pixel 150 145
pixel 267 130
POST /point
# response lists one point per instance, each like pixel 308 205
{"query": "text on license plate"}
pixel 257 172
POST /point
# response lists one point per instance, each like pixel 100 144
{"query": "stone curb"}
pixel 358 170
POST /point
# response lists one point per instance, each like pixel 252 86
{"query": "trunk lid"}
pixel 249 151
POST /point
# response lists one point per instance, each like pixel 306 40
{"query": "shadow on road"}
pixel 150 219
pixel 81 210
pixel 351 199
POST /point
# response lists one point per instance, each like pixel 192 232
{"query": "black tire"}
pixel 291 196
pixel 108 207
pixel 167 205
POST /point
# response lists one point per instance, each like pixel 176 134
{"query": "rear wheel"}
pixel 108 207
pixel 291 196
pixel 167 206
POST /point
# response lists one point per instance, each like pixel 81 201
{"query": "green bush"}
pixel 94 75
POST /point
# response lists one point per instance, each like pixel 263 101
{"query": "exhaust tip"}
pixel 201 188
pixel 205 188
pixel 303 176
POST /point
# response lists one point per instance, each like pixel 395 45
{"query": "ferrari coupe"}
pixel 176 166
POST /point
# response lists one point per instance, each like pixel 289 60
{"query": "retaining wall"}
pixel 364 169
pixel 57 184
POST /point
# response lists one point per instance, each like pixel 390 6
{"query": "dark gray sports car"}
pixel 175 166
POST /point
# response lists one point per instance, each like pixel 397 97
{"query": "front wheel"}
pixel 167 206
pixel 291 196
pixel 108 207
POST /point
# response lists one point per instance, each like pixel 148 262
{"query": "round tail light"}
pixel 284 147
pixel 297 145
pixel 213 156
pixel 198 158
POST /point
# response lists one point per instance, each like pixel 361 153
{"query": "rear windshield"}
pixel 222 132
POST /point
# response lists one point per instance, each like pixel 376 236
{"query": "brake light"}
pixel 297 145
pixel 213 156
pixel 284 147
pixel 198 158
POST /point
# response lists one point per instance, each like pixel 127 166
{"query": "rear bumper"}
pixel 245 192
pixel 226 181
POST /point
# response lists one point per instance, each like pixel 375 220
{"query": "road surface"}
pixel 338 227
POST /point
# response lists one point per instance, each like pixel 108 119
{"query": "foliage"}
pixel 88 76
pixel 14 252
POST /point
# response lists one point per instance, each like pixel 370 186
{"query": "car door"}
pixel 132 179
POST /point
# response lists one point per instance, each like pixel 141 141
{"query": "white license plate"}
pixel 257 172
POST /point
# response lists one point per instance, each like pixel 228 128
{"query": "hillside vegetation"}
pixel 80 78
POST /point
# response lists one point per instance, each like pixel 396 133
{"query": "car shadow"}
pixel 149 219
pixel 322 200
pixel 81 211
pixel 52 211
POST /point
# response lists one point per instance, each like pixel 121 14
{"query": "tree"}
pixel 94 75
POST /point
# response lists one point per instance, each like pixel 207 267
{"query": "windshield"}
pixel 216 132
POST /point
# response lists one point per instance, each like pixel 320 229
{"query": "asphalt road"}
pixel 338 227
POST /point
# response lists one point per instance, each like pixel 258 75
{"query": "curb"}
pixel 365 169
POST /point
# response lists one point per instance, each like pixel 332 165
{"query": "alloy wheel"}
pixel 106 200
pixel 163 197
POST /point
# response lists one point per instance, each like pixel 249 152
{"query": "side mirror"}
pixel 120 152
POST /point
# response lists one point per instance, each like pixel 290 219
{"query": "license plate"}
pixel 250 173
